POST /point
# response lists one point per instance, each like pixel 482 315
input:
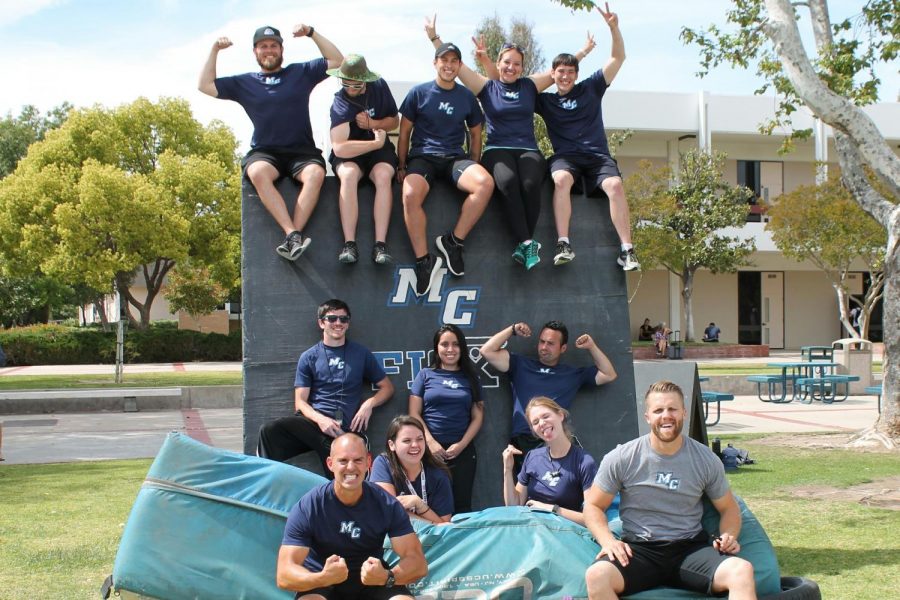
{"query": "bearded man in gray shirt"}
pixel 662 477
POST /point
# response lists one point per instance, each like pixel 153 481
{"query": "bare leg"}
pixel 735 575
pixel 480 186
pixel 604 581
pixel 263 175
pixel 382 176
pixel 618 207
pixel 311 177
pixel 415 188
pixel 562 201
pixel 349 173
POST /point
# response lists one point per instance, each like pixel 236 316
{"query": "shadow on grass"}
pixel 810 562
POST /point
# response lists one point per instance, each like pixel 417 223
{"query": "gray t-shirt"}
pixel 661 494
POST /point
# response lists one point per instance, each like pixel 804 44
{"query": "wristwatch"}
pixel 390 579
pixel 555 509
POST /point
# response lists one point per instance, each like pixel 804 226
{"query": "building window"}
pixel 765 178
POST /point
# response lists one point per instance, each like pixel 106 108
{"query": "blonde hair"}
pixel 664 387
pixel 550 403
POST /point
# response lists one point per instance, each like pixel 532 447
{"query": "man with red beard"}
pixel 277 101
pixel 662 477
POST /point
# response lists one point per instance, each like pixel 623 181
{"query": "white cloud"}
pixel 14 10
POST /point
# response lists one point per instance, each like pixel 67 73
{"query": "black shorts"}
pixel 594 169
pixel 288 162
pixel 687 564
pixel 431 168
pixel 385 154
pixel 353 589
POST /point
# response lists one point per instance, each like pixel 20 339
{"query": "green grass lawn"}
pixel 164 379
pixel 60 524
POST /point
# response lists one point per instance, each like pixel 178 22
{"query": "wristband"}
pixel 312 30
pixel 437 37
pixel 514 329
pixel 555 509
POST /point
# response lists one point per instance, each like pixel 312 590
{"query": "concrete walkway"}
pixel 66 437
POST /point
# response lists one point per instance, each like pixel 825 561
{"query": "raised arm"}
pixel 514 493
pixel 617 55
pixel 471 79
pixel 207 83
pixel 486 63
pixel 543 80
pixel 329 51
pixel 291 575
pixel 493 351
pixel 605 371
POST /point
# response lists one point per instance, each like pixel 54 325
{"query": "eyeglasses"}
pixel 336 318
pixel 353 86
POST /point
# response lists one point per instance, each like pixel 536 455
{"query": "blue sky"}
pixel 110 52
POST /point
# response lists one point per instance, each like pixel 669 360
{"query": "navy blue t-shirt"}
pixel 335 375
pixel 439 118
pixel 446 403
pixel 325 525
pixel 437 485
pixel 377 101
pixel 560 481
pixel 575 120
pixel 529 378
pixel 509 112
pixel 277 103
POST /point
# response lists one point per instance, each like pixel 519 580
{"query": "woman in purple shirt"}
pixel 554 477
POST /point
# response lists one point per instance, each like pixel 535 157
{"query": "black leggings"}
pixel 285 438
pixel 462 478
pixel 518 175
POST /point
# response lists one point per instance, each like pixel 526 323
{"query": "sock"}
pixel 563 239
pixel 526 243
pixel 422 258
pixel 627 247
pixel 456 240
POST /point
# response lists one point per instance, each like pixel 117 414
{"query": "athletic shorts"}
pixel 687 564
pixel 431 168
pixel 385 154
pixel 288 162
pixel 353 589
pixel 594 169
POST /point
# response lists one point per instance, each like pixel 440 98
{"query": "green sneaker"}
pixel 531 254
pixel 519 253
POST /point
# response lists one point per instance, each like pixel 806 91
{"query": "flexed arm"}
pixel 207 83
pixel 605 370
pixel 329 51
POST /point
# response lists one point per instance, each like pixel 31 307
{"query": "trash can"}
pixel 854 357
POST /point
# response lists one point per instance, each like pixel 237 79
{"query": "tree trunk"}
pixel 687 295
pixel 100 305
pixel 842 300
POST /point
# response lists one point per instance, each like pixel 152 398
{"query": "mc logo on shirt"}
pixel 666 480
pixel 510 94
pixel 545 371
pixel 551 479
pixel 445 106
pixel 336 362
pixel 350 528
pixel 571 104
pixel 451 383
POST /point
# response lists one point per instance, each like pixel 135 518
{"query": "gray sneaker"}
pixel 564 253
pixel 293 246
pixel 349 253
pixel 380 254
pixel 628 261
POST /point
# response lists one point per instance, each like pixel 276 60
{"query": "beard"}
pixel 270 63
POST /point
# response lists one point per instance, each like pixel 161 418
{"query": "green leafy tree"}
pixel 677 224
pixel 17 133
pixel 116 196
pixel 822 224
pixel 833 78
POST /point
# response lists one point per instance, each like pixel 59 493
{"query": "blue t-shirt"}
pixel 335 375
pixel 560 481
pixel 509 112
pixel 437 485
pixel 277 103
pixel 529 378
pixel 377 101
pixel 325 525
pixel 575 120
pixel 440 118
pixel 446 403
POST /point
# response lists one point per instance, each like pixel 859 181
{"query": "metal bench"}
pixel 772 382
pixel 718 398
pixel 824 388
pixel 875 390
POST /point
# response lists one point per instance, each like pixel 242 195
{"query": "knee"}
pixel 563 180
pixel 614 188
pixel 313 175
pixel 348 175
pixel 413 195
pixel 599 577
pixel 258 174
pixel 382 175
pixel 736 573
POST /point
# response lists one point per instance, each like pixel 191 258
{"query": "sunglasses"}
pixel 336 318
pixel 353 86
pixel 512 46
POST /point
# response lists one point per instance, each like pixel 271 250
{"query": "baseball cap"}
pixel 445 48
pixel 267 33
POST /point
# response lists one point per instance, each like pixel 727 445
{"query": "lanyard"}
pixel 412 490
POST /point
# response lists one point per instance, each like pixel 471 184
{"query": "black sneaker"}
pixel 380 254
pixel 426 269
pixel 452 252
pixel 349 253
pixel 293 246
pixel 564 253
pixel 628 261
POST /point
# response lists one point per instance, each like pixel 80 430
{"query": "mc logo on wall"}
pixel 455 305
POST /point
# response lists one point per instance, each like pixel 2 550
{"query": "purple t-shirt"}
pixel 529 378
pixel 438 490
pixel 277 103
pixel 377 101
pixel 446 403
pixel 575 120
pixel 440 118
pixel 325 525
pixel 509 112
pixel 560 481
